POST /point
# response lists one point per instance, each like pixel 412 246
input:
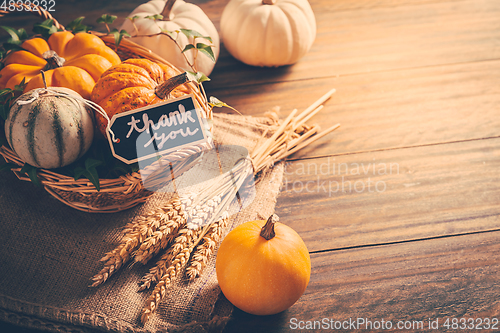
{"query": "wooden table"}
pixel 400 206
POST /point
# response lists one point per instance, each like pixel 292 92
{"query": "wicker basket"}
pixel 114 194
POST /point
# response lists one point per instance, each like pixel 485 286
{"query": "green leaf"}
pixel 22 34
pixel 14 36
pixel 7 166
pixel 4 111
pixel 215 102
pixel 91 163
pixel 133 18
pixel 46 28
pixel 21 86
pixel 188 47
pixel 77 26
pixel 78 172
pixel 31 171
pixel 11 47
pixel 91 171
pixel 107 19
pixel 119 35
pixel 5 91
pixel 198 77
pixel 195 34
pixel 206 50
pixel 154 17
pixel 93 176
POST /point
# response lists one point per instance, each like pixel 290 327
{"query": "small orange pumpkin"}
pixel 133 84
pixel 263 267
pixel 71 61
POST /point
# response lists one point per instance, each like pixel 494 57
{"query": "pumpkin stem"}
pixel 269 2
pixel 53 60
pixel 166 10
pixel 165 88
pixel 267 230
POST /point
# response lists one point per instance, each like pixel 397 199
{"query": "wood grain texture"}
pixel 388 109
pixel 442 278
pixel 393 195
pixel 381 38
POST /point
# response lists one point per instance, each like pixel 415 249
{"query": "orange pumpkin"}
pixel 263 267
pixel 133 84
pixel 72 61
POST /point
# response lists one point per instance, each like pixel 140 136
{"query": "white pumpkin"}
pixel 49 130
pixel 268 33
pixel 180 15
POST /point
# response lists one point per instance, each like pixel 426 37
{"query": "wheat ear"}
pixel 206 248
pixel 169 224
pixel 184 246
pixel 134 234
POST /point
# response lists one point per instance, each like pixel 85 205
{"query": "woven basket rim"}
pixel 129 184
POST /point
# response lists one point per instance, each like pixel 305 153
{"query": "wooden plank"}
pixel 350 38
pixel 395 195
pixel 387 109
pixel 381 39
pixel 435 279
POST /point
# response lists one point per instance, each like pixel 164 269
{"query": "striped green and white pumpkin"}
pixel 50 130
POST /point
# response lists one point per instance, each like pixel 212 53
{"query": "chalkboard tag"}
pixel 156 130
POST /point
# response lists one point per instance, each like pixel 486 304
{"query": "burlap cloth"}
pixel 49 251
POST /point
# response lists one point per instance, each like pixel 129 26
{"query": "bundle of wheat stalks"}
pixel 189 226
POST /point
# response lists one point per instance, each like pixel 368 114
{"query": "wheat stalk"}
pixel 134 234
pixel 177 257
pixel 205 250
pixel 184 239
pixel 168 225
pixel 179 222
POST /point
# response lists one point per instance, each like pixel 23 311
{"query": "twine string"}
pixel 35 94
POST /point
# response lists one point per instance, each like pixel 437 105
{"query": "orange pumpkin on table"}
pixel 71 61
pixel 263 267
pixel 133 84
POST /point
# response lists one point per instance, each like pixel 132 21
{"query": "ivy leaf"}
pixel 31 171
pixel 206 50
pixel 215 102
pixel 77 26
pixel 91 163
pixel 198 77
pixel 195 34
pixel 21 85
pixel 46 28
pixel 91 172
pixel 119 35
pixel 5 91
pixel 11 47
pixel 14 35
pixel 6 96
pixel 188 47
pixel 4 111
pixel 106 19
pixel 133 18
pixel 23 35
pixel 7 166
pixel 154 17
pixel 78 172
